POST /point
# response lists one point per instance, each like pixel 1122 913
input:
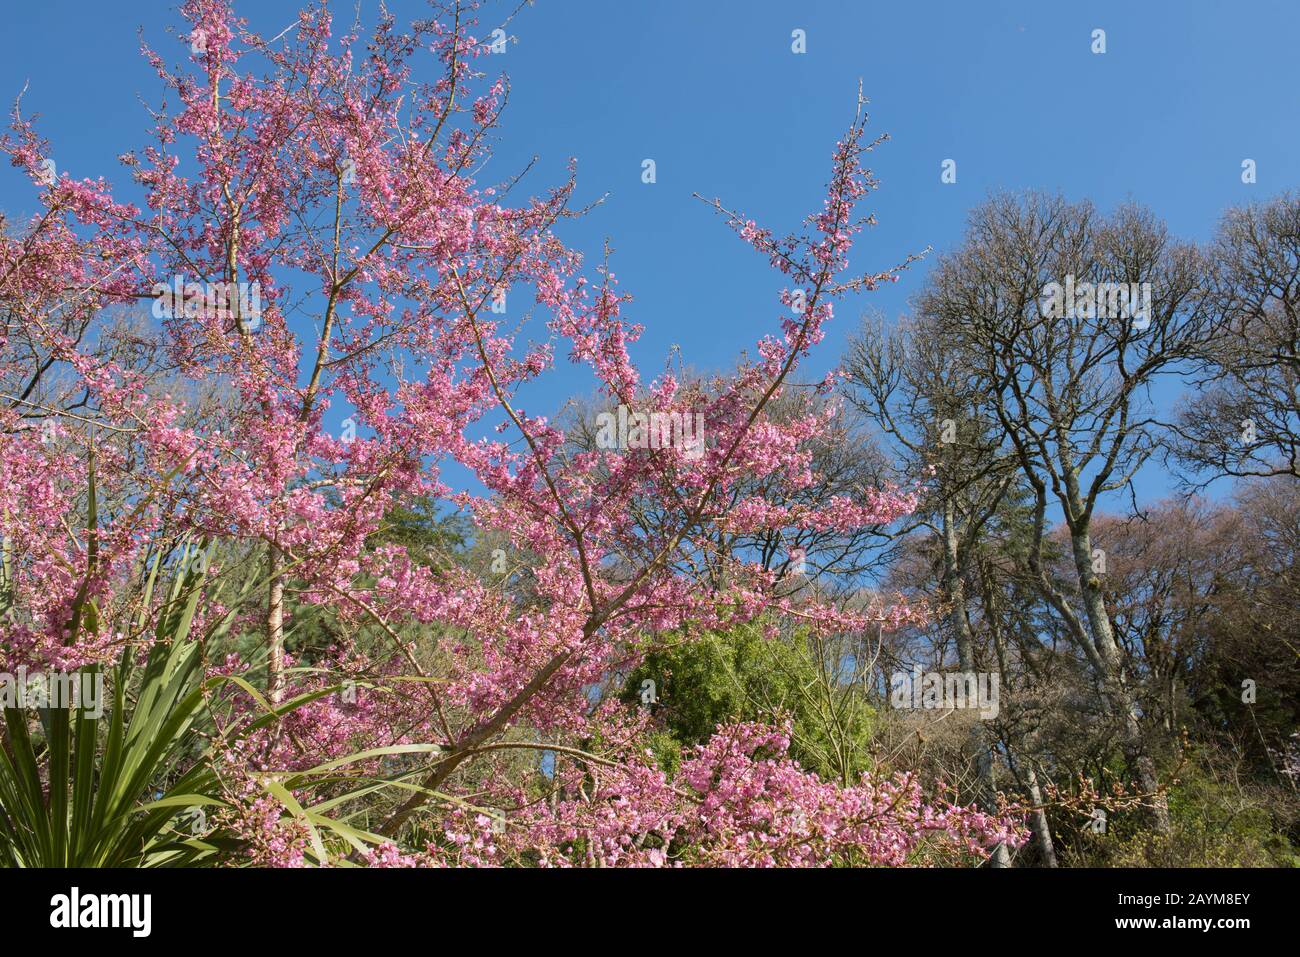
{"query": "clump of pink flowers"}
pixel 336 174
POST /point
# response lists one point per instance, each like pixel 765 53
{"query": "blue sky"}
pixel 713 93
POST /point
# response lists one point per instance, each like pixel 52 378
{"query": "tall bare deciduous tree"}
pixel 1245 418
pixel 1068 378
pixel 914 385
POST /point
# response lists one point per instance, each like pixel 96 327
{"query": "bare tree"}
pixel 1245 418
pixel 1069 382
pixel 914 386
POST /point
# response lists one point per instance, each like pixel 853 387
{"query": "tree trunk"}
pixel 1038 820
pixel 275 626
pixel 955 593
pixel 1111 673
